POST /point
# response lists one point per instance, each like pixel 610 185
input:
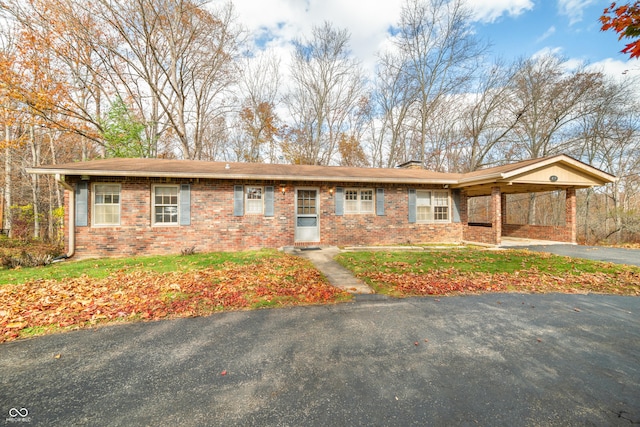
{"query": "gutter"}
pixel 72 215
pixel 245 176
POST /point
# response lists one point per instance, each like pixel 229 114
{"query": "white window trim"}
pixel 153 206
pixel 93 204
pixel 247 200
pixel 433 206
pixel 359 210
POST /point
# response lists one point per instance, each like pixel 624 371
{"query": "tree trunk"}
pixel 7 180
pixel 34 183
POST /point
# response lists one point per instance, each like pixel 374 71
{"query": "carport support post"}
pixel 571 225
pixel 496 214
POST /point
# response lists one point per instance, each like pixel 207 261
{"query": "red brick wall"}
pixel 215 228
pixel 480 234
pixel 539 232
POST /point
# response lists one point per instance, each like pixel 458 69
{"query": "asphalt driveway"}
pixel 498 359
pixel 596 253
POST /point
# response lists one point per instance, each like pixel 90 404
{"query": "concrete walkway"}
pixel 323 259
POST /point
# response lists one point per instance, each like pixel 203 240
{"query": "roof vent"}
pixel 227 166
pixel 411 164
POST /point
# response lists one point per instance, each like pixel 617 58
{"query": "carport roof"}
pixel 525 176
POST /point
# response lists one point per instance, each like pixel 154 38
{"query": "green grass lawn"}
pixel 104 267
pixel 469 269
pixel 79 294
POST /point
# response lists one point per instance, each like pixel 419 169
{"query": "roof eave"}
pixel 228 176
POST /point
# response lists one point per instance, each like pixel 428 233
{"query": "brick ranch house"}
pixel 120 207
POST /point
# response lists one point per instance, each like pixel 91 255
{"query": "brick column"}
pixel 571 214
pixel 496 214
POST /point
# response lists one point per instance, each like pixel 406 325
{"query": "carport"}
pixel 558 173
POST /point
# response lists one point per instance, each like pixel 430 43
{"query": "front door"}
pixel 307 215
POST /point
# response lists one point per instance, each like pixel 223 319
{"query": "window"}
pixel 106 204
pixel 432 206
pixel 253 200
pixel 358 201
pixel 165 205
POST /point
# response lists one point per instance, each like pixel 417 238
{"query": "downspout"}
pixel 72 215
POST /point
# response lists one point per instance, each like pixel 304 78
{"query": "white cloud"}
pixel 616 69
pixel 283 20
pixel 491 10
pixel 574 9
pixel 547 34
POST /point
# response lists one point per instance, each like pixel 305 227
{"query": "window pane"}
pixel 253 200
pixel 106 204
pixel 366 206
pixel 306 202
pixel 166 205
pixel 254 193
pixel 253 206
pixel 423 213
pixel 441 213
pixel 423 198
pixel 351 206
pixel 440 198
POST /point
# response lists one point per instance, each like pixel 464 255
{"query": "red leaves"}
pixel 624 20
pixel 451 282
pixel 84 301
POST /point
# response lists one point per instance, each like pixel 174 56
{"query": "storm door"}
pixel 307 215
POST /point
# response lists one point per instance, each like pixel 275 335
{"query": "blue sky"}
pixel 546 27
pixel 516 28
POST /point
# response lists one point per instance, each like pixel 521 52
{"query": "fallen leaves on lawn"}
pixel 134 295
pixel 452 281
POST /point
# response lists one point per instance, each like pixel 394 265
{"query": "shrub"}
pixel 20 253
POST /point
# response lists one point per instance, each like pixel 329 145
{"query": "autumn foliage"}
pixel 143 295
pixel 452 282
pixel 624 20
pixel 476 271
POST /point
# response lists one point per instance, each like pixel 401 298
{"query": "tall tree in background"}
pixel 551 99
pixel 439 53
pixel 259 124
pixel 174 58
pixel 489 118
pixel 123 133
pixel 184 53
pixel 624 20
pixel 326 87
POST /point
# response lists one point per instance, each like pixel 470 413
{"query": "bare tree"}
pixel 258 121
pixel 551 100
pixel 325 89
pixel 393 95
pixel 488 117
pixel 439 53
pixel 184 53
pixel 610 139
